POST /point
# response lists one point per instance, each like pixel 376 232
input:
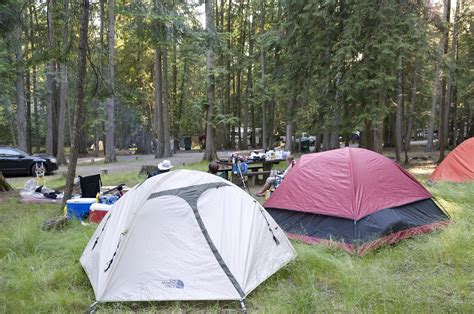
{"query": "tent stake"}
pixel 242 305
pixel 92 307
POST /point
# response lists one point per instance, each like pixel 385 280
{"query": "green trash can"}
pixel 187 143
pixel 305 146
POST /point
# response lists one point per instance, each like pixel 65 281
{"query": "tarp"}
pixel 348 183
pixel 458 166
pixel 184 235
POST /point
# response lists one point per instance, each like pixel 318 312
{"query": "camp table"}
pixel 255 169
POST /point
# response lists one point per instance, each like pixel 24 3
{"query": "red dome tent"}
pixel 458 166
pixel 354 196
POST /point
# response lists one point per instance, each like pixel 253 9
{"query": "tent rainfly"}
pixel 458 166
pixel 355 197
pixel 184 235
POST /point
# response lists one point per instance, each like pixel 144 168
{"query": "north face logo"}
pixel 173 283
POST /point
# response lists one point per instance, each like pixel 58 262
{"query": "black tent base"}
pixel 385 226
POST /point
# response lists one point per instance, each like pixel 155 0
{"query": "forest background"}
pixel 232 70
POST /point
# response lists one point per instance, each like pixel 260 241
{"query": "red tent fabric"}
pixel 458 166
pixel 348 183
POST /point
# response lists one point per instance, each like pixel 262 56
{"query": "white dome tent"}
pixel 184 235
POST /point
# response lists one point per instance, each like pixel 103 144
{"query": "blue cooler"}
pixel 78 208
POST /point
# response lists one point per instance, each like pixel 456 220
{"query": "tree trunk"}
pixel 166 121
pixel 61 157
pixel 436 81
pixel 77 125
pixel 210 153
pixel 28 97
pixel 181 98
pixel 262 72
pixel 398 123
pixel 290 109
pixel 63 89
pixel 159 140
pixel 4 185
pixel 110 124
pixel 175 83
pixel 33 19
pixel 249 87
pixel 336 123
pixel 20 98
pixel 50 82
pixel 443 138
pixel 411 109
pixel 36 111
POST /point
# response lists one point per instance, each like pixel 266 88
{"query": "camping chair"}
pixel 90 185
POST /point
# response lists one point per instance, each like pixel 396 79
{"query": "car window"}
pixel 8 151
pixel 18 151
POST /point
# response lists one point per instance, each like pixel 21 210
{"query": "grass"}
pixel 40 271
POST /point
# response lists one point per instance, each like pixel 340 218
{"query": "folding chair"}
pixel 90 185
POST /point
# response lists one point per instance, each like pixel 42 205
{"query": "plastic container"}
pixel 243 168
pixel 78 208
pixel 98 211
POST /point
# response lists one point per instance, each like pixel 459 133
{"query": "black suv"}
pixel 15 161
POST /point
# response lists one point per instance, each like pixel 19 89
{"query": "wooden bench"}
pixel 252 176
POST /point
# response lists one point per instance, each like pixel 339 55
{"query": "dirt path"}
pixel 93 165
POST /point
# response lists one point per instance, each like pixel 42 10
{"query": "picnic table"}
pixel 255 169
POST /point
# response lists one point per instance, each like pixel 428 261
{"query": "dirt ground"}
pixel 421 165
pixel 129 163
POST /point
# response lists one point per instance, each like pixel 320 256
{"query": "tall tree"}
pixel 443 132
pixel 33 25
pixel 411 110
pixel 262 73
pixel 110 125
pixel 165 105
pixel 79 107
pixel 50 81
pixel 399 119
pixel 210 152
pixel 436 82
pixel 20 98
pixel 249 86
pixel 158 112
pixel 61 157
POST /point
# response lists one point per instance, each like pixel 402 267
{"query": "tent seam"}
pixel 352 181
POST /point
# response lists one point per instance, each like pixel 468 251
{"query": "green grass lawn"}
pixel 40 271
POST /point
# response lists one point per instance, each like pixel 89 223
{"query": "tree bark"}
pixel 411 109
pixel 249 87
pixel 210 153
pixel 336 123
pixel 110 124
pixel 181 98
pixel 61 157
pixel 81 77
pixel 50 82
pixel 159 139
pixel 20 97
pixel 262 72
pixel 28 97
pixel 34 20
pixel 443 138
pixel 398 123
pixel 166 121
pixel 290 108
pixel 436 81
